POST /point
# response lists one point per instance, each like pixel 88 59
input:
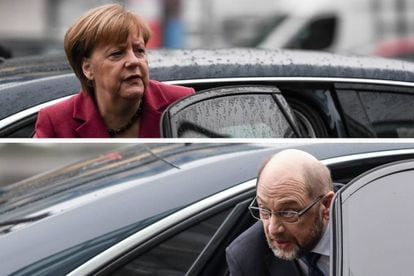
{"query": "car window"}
pixel 175 255
pixel 372 223
pixel 246 116
pixel 390 114
pixel 230 112
pixel 378 111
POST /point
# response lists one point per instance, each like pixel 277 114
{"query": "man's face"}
pixel 285 193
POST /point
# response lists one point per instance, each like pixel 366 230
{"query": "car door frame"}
pixel 138 243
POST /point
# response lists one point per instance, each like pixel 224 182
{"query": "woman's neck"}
pixel 119 113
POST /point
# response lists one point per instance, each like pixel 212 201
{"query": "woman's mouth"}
pixel 133 78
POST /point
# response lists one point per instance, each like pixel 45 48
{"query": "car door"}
pixel 241 111
pixel 191 245
pixel 373 223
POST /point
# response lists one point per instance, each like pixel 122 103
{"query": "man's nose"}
pixel 275 225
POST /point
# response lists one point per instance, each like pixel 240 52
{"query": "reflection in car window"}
pixel 175 255
pixel 65 261
pixel 390 114
pixel 241 116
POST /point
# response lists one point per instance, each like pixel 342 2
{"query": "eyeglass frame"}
pixel 297 214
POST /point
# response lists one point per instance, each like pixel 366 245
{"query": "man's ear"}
pixel 87 69
pixel 326 202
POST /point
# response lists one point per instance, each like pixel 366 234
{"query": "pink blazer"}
pixel 78 116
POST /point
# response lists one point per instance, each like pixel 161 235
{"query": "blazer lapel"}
pixel 153 105
pixel 86 114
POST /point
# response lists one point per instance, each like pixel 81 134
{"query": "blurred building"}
pixel 38 26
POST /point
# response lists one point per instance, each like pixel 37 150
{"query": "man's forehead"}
pixel 281 199
pixel 285 184
pixel 282 176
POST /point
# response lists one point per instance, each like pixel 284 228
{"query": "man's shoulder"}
pixel 246 255
pixel 252 239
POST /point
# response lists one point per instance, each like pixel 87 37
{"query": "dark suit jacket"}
pixel 249 254
pixel 78 116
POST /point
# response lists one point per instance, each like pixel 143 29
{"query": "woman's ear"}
pixel 87 69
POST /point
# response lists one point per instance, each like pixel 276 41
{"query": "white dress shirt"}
pixel 323 248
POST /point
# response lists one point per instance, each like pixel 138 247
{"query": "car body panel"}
pixel 93 205
pixel 204 69
pixel 125 204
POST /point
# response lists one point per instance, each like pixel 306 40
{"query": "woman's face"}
pixel 119 71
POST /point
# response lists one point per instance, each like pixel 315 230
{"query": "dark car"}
pixel 241 93
pixel 171 209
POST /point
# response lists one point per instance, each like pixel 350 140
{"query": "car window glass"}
pixel 240 116
pixel 377 225
pixel 175 255
pixel 390 114
pixel 355 116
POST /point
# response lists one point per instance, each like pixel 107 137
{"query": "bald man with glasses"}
pixel 293 195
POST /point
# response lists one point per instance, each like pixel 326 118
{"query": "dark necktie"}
pixel 311 259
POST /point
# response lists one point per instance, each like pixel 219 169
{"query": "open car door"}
pixel 244 111
pixel 372 223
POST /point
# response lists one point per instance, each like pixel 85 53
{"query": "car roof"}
pixel 138 162
pixel 21 69
pixel 182 64
pixel 52 78
pixel 245 62
pixel 143 161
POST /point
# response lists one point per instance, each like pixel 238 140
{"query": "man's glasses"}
pixel 288 216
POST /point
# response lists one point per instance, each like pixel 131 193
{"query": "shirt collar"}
pixel 323 246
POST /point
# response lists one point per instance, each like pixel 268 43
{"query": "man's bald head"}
pixel 312 176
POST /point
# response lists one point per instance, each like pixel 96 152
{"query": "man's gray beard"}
pixel 309 244
pixel 285 255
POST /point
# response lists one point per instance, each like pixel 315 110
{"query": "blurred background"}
pixel 369 27
pixel 22 160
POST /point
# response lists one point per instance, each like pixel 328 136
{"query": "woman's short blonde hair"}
pixel 108 24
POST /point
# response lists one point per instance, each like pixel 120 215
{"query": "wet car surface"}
pixel 173 208
pixel 330 95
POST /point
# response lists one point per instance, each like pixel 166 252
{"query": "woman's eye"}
pixel 116 53
pixel 140 51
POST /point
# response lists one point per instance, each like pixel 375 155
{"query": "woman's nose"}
pixel 131 59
